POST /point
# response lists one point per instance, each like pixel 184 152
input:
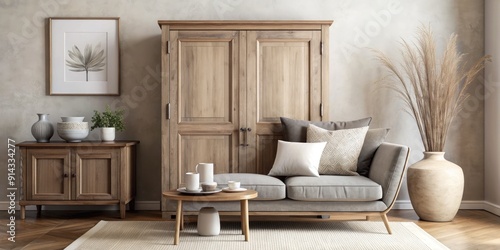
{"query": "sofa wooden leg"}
pixel 386 222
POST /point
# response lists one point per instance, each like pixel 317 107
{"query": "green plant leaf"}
pixel 108 118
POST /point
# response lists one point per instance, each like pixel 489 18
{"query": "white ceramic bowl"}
pixel 209 186
pixel 73 131
pixel 72 118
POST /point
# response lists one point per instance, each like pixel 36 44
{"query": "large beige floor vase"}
pixel 436 187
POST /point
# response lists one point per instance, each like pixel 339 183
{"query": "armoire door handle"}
pixel 244 130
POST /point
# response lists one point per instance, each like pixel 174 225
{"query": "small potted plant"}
pixel 109 121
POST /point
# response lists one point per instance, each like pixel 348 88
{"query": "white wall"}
pixel 358 26
pixel 492 107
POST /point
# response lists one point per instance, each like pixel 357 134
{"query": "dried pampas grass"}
pixel 434 91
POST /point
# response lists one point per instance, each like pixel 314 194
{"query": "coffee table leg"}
pixel 182 217
pixel 244 219
pixel 178 219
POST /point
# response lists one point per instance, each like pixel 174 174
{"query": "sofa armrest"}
pixel 388 168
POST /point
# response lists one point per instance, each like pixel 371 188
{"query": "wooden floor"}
pixel 471 229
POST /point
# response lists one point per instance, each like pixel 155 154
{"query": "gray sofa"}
pixel 330 195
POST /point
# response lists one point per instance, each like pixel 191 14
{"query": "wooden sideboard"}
pixel 82 173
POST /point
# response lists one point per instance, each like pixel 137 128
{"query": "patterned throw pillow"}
pixel 340 156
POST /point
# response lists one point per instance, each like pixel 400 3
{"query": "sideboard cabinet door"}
pixel 96 174
pixel 48 174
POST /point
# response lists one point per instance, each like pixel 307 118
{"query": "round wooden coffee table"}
pixel 243 197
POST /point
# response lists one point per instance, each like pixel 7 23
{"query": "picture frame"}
pixel 84 56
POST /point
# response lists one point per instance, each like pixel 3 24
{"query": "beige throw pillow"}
pixel 340 156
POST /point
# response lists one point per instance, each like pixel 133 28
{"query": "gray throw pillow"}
pixel 374 137
pixel 296 130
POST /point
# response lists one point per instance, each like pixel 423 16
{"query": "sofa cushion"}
pixel 373 139
pixel 296 130
pixel 332 188
pixel 297 158
pixel 341 153
pixel 268 187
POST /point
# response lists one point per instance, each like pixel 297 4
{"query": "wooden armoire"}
pixel 225 84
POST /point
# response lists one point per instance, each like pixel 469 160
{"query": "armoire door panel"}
pixel 204 83
pixel 285 71
pixel 210 148
pixel 283 79
pixel 206 77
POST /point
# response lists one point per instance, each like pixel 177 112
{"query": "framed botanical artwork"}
pixel 84 56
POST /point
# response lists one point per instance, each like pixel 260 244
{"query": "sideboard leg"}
pixel 23 212
pixel 123 210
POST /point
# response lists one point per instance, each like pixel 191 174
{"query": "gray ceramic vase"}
pixel 42 130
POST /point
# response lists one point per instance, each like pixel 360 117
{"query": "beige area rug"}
pixel 263 235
